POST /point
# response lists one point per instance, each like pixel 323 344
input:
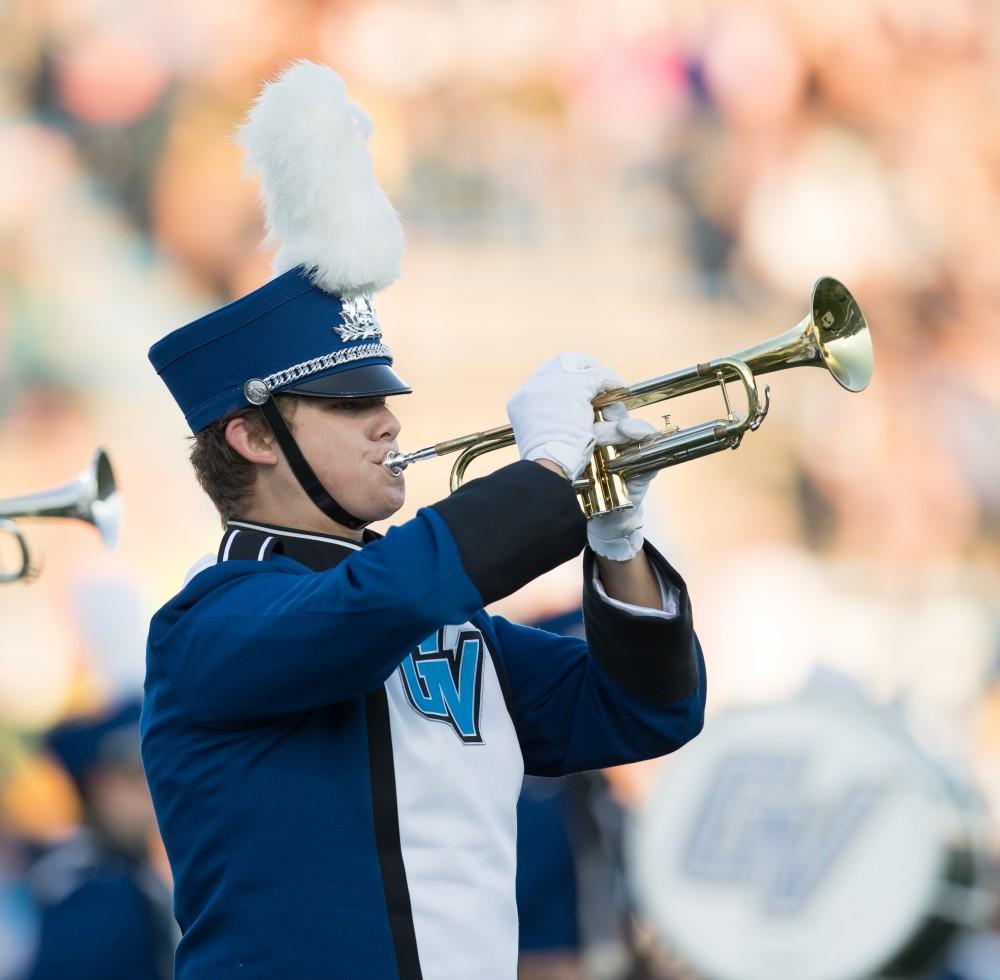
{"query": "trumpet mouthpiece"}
pixel 395 462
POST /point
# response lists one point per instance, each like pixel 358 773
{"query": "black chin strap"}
pixel 308 480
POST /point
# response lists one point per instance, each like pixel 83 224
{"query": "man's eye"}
pixel 357 404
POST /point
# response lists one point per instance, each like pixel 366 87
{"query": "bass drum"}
pixel 810 840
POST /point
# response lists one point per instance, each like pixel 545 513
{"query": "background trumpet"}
pixel 833 335
pixel 91 497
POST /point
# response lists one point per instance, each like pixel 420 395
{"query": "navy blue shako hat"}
pixel 290 336
pixel 312 330
pixel 106 738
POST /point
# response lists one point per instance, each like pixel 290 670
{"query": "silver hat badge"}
pixel 358 319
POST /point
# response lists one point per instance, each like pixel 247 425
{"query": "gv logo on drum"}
pixel 761 825
pixel 444 682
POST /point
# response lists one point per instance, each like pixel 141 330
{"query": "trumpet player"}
pixel 335 730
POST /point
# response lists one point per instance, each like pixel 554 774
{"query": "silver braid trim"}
pixel 298 371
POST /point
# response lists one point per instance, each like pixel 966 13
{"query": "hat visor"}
pixel 367 381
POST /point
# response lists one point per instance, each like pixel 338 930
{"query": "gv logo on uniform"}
pixel 444 682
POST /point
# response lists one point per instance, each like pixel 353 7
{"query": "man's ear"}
pixel 253 442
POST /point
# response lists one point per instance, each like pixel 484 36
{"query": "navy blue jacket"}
pixel 335 735
pixel 103 915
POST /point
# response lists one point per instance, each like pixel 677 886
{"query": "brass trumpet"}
pixel 91 497
pixel 832 335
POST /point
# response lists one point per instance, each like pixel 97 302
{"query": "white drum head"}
pixel 803 841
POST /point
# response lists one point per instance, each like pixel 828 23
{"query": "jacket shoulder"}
pixel 226 574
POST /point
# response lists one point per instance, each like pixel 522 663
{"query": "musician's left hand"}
pixel 619 536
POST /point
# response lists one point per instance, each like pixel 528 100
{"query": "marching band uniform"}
pixel 335 732
pixel 103 911
pixel 336 770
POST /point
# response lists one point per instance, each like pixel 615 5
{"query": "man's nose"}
pixel 387 427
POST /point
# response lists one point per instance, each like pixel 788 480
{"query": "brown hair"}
pixel 223 473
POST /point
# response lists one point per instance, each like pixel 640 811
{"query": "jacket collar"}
pixel 316 551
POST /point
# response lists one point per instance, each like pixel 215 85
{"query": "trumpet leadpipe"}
pixel 497 438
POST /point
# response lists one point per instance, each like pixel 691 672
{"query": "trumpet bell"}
pixel 833 335
pixel 105 501
pixel 92 497
pixel 842 336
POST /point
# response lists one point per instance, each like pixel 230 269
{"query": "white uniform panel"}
pixel 457 828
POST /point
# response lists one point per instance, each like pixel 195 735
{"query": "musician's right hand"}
pixel 552 415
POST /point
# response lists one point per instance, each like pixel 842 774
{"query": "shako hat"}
pixel 312 330
pixel 105 738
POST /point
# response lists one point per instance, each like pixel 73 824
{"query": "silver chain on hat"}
pixel 317 364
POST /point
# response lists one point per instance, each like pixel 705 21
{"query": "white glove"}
pixel 619 536
pixel 552 414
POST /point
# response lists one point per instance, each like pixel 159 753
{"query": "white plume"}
pixel 323 205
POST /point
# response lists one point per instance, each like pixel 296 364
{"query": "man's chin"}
pixel 384 510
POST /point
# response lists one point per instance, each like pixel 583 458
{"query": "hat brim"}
pixel 368 381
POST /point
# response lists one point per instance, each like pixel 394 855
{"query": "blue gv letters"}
pixel 444 683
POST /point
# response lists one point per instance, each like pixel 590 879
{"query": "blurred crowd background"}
pixel 655 183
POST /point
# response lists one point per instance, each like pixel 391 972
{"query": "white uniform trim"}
pixel 263 547
pixel 327 539
pixel 229 544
